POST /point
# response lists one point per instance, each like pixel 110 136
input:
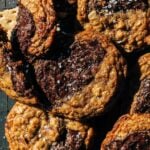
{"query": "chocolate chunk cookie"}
pixel 84 79
pixel 15 79
pixel 126 22
pixel 130 132
pixel 141 100
pixel 31 128
pixel 35 27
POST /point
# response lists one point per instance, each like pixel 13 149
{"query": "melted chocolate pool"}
pixel 68 71
pixel 19 71
pixel 134 141
pixel 111 6
pixel 72 140
pixel 143 98
pixel 24 29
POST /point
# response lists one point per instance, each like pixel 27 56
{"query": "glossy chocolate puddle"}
pixel 143 98
pixel 111 6
pixel 69 140
pixel 68 71
pixel 24 30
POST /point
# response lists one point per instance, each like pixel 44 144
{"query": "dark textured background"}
pixel 5 102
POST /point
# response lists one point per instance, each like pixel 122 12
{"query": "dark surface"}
pixel 5 102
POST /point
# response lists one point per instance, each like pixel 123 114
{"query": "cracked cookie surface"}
pixel 31 128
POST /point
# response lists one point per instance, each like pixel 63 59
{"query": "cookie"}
pixel 84 79
pixel 8 19
pixel 35 27
pixel 141 99
pixel 126 22
pixel 15 79
pixel 130 132
pixel 31 128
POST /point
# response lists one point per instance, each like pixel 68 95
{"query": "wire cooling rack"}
pixel 5 102
pixel 6 4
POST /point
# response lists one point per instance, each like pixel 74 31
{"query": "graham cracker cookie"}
pixel 8 19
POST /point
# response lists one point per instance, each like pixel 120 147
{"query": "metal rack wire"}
pixel 5 103
pixel 6 4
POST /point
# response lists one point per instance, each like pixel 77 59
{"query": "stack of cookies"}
pixel 73 66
